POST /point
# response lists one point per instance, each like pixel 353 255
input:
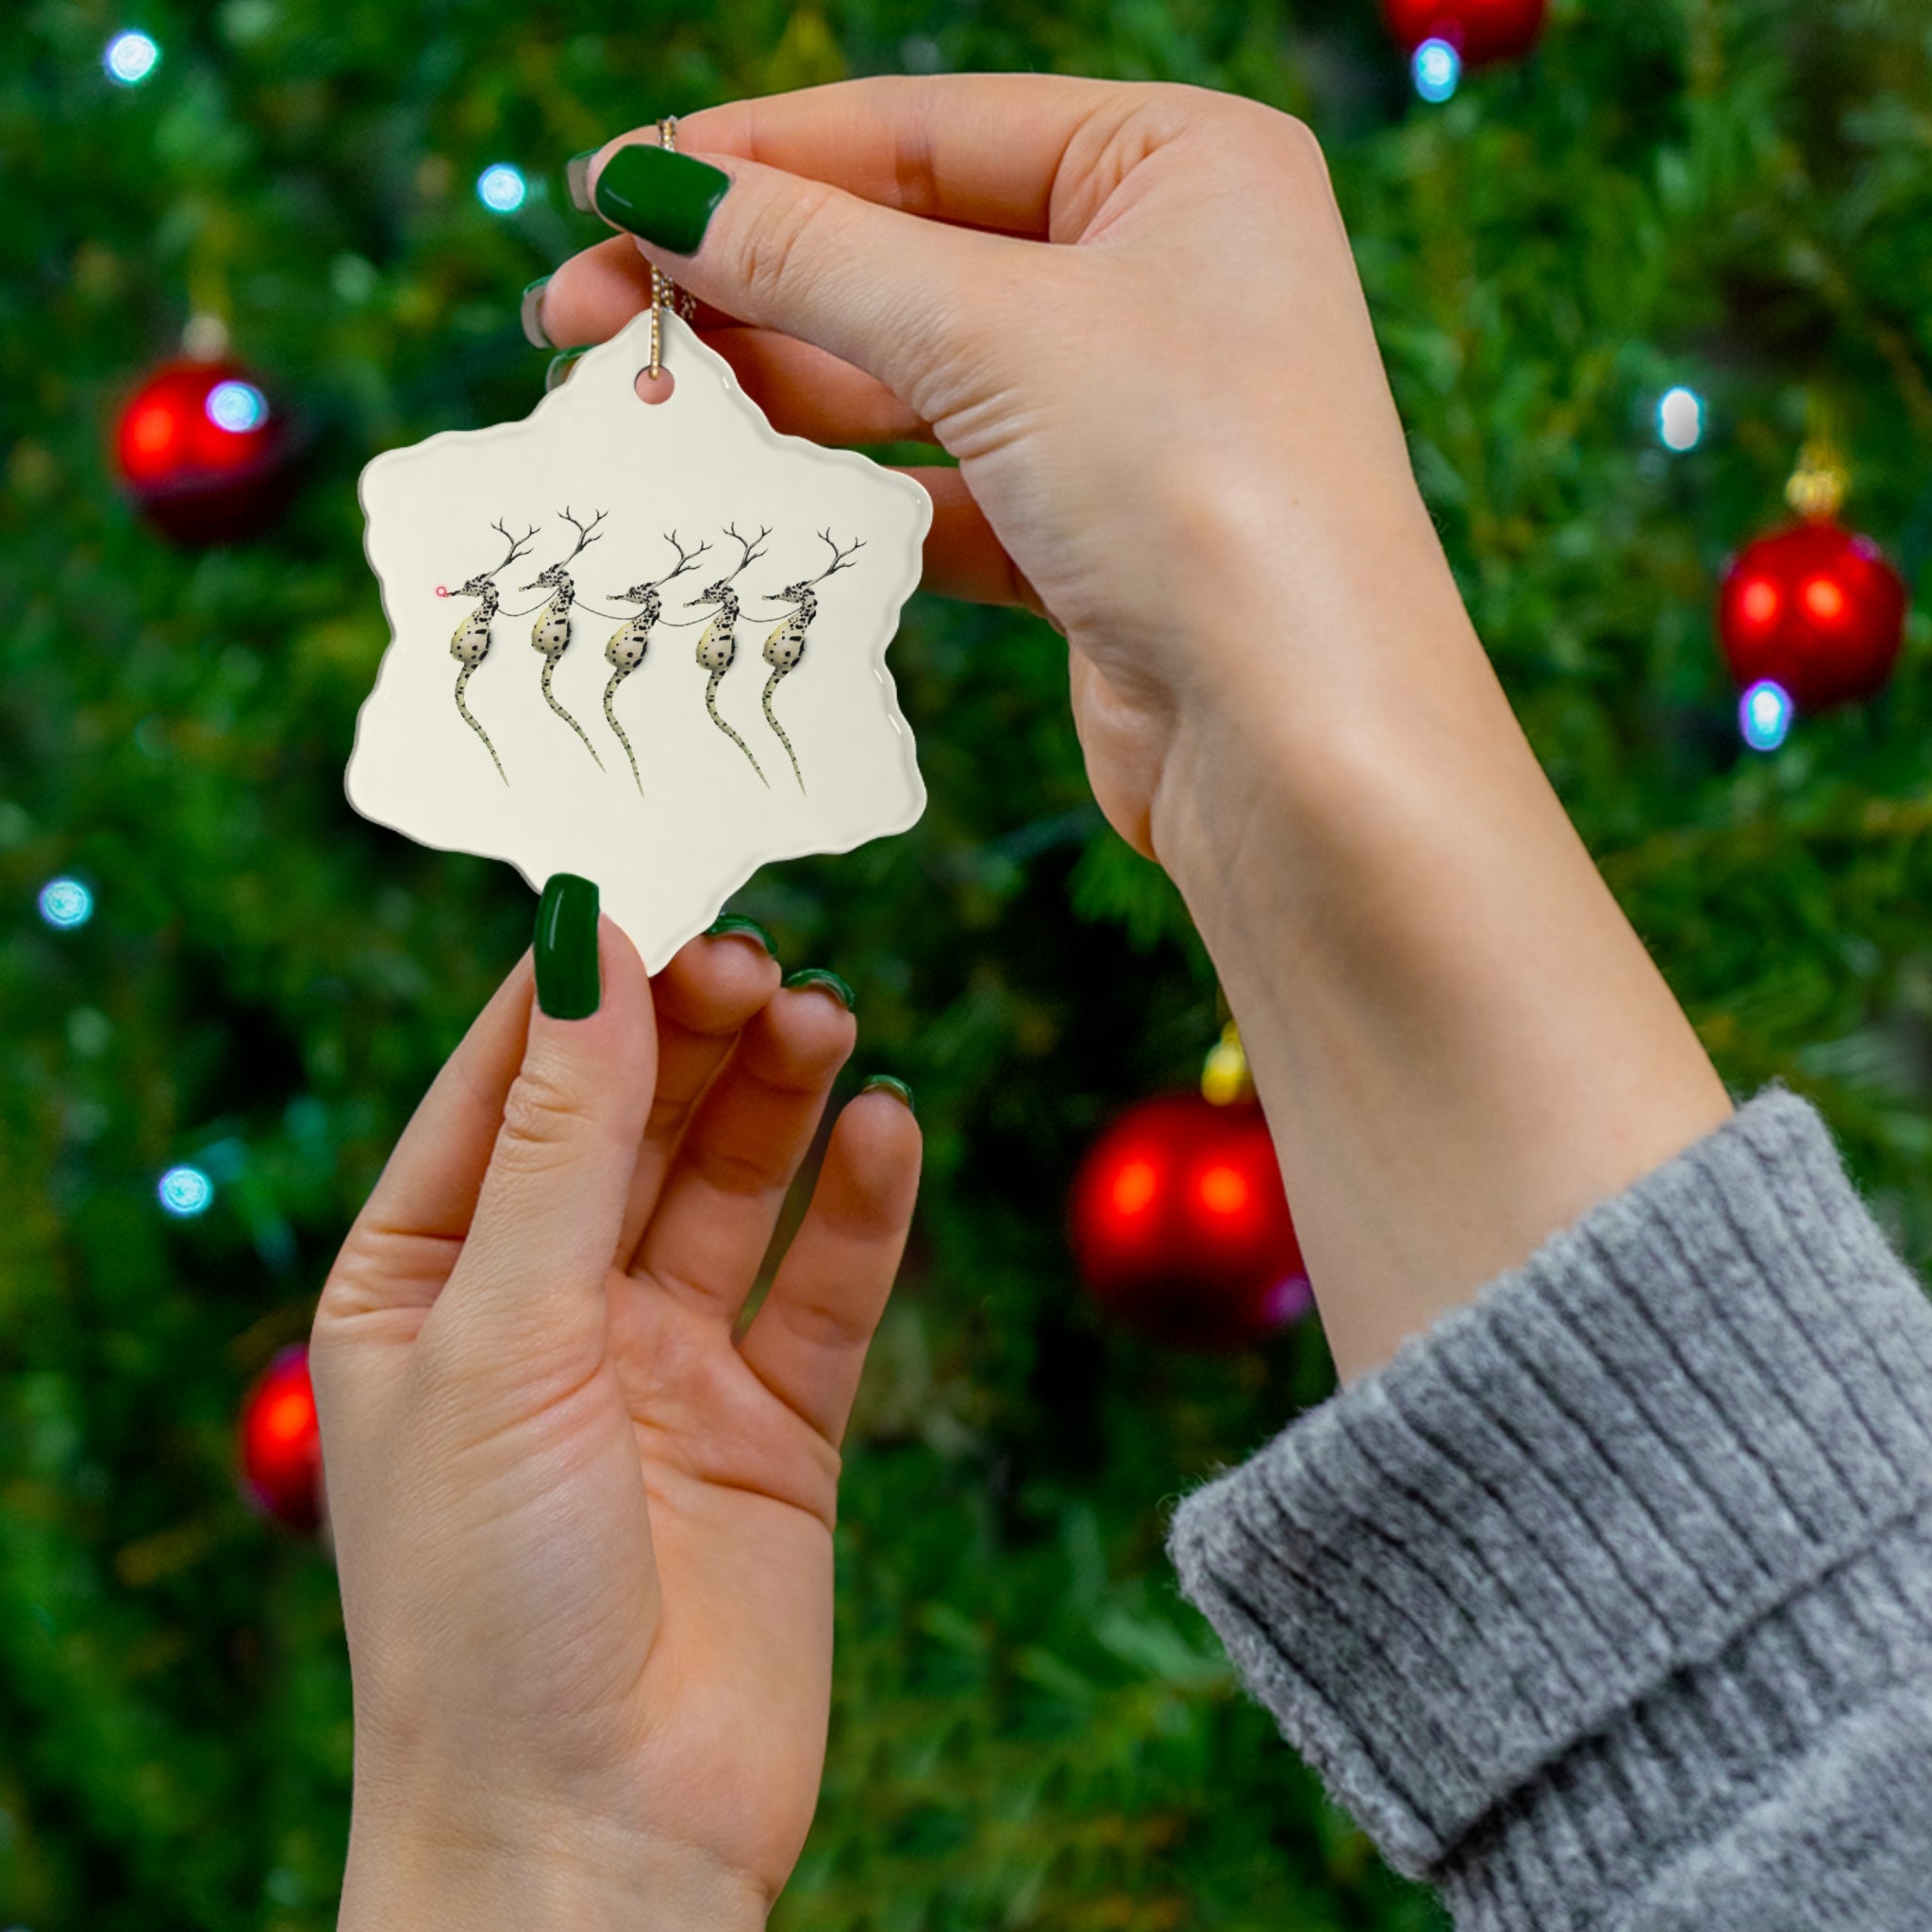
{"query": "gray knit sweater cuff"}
pixel 1577 1570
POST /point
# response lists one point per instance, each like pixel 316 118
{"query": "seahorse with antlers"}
pixel 626 648
pixel 470 643
pixel 550 634
pixel 785 646
pixel 718 645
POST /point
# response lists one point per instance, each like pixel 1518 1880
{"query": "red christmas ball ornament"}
pixel 281 1444
pixel 1180 1225
pixel 1815 610
pixel 204 452
pixel 1481 31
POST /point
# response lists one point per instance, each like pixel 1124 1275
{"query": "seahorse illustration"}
pixel 718 644
pixel 785 646
pixel 550 634
pixel 626 648
pixel 470 643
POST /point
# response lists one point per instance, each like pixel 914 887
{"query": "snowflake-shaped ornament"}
pixel 707 605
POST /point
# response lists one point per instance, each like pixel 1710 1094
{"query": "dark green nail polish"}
pixel 559 368
pixel 737 922
pixel 667 198
pixel 576 177
pixel 820 976
pixel 568 984
pixel 530 313
pixel 892 1084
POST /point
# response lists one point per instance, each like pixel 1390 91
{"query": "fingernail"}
pixel 568 987
pixel 820 976
pixel 667 198
pixel 737 922
pixel 890 1083
pixel 576 177
pixel 530 313
pixel 559 368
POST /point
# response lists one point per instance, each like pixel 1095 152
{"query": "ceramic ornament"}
pixel 707 605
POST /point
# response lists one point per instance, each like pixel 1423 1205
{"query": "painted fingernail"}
pixel 530 311
pixel 890 1083
pixel 568 986
pixel 667 198
pixel 576 177
pixel 737 922
pixel 820 976
pixel 559 368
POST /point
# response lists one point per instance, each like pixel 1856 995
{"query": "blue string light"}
pixel 130 58
pixel 185 1192
pixel 502 187
pixel 1438 70
pixel 1680 419
pixel 65 904
pixel 1764 715
pixel 237 407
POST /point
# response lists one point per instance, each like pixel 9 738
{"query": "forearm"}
pixel 1460 1042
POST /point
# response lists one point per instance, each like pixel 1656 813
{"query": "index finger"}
pixel 982 150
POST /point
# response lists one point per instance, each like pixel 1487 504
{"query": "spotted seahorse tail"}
pixel 463 678
pixel 771 719
pixel 617 677
pixel 711 705
pixel 550 699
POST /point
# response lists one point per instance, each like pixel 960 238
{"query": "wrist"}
pixel 533 1873
pixel 1319 692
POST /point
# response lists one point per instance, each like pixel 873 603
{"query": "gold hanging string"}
pixel 665 293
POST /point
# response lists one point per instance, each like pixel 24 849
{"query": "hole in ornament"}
pixel 655 389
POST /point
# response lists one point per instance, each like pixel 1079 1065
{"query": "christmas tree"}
pixel 1620 282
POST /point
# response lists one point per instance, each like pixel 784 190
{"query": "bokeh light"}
pixel 1134 1187
pixel 1823 599
pixel 130 58
pixel 186 1191
pixel 1438 70
pixel 239 406
pixel 502 187
pixel 1764 715
pixel 1680 419
pixel 65 904
pixel 1222 1189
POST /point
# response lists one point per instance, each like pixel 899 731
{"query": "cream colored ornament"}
pixel 672 826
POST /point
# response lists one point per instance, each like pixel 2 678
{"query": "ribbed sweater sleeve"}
pixel 1607 1603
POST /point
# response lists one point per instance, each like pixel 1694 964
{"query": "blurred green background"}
pixel 1031 1728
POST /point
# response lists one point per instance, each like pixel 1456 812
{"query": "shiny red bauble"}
pixel 281 1444
pixel 1816 609
pixel 203 452
pixel 1480 30
pixel 1181 1228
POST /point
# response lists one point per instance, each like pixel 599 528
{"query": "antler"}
pixel 752 552
pixel 584 537
pixel 842 560
pixel 517 544
pixel 685 559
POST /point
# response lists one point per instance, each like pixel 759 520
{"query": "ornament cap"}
pixel 1818 485
pixel 1224 1075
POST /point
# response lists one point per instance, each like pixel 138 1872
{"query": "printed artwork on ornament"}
pixel 598 488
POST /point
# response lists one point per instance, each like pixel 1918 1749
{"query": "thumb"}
pixel 889 293
pixel 541 1244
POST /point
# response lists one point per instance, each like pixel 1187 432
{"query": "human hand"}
pixel 1133 314
pixel 1175 434
pixel 585 1539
